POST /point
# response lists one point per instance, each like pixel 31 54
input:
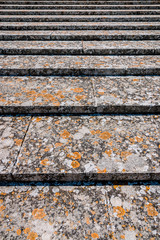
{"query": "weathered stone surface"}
pixel 20 95
pixel 80 26
pixel 97 148
pixel 84 212
pixel 79 65
pixel 12 133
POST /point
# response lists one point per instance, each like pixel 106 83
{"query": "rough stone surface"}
pixel 79 95
pixel 69 148
pixel 79 65
pixel 12 133
pixel 86 212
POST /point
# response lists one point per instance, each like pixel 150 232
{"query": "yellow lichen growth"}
pixel 75 155
pixel 18 142
pixel 120 211
pixel 26 230
pixel 94 235
pixel 101 171
pixel 75 164
pixel 125 154
pixel 77 90
pixel 65 134
pixel 2 208
pixel 44 162
pixel 32 236
pixel 105 135
pixel 38 213
pixel 151 210
pixel 108 152
pixel 19 232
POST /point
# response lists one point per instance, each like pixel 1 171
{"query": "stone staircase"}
pixel 80 124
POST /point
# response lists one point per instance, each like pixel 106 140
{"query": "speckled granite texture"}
pixel 101 147
pixel 59 213
pixel 79 95
pixel 80 26
pixel 79 65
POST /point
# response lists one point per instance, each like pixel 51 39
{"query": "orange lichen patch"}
pixel 132 140
pixel 105 135
pixel 26 230
pixel 101 171
pixel 75 164
pixel 120 211
pixel 58 145
pixel 74 155
pixel 80 97
pixel 145 146
pixel 122 236
pixel 108 152
pixel 18 142
pixel 19 232
pixel 95 132
pixel 57 122
pixel 101 93
pixel 151 210
pixel 38 119
pixel 2 208
pixel 32 236
pixel 1 201
pixel 77 90
pixel 94 235
pixel 125 154
pixel 66 213
pixel 38 213
pixel 46 149
pixel 87 220
pixel 135 80
pixel 139 139
pixel 44 162
pixel 65 134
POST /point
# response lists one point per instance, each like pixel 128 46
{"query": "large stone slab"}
pixel 44 95
pixel 12 134
pixel 41 47
pixel 83 18
pixel 121 47
pixel 79 65
pixel 80 12
pixel 79 25
pixel 79 212
pixel 90 148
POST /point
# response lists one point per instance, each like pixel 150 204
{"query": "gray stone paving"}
pixel 94 68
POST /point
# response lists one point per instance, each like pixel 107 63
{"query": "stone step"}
pixel 81 18
pixel 80 12
pixel 79 65
pixel 80 148
pixel 47 211
pixel 80 2
pixel 79 26
pixel 80 47
pixel 81 35
pixel 79 95
pixel 80 7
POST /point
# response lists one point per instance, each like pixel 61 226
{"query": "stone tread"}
pixel 85 212
pixel 81 18
pixel 79 2
pixel 80 26
pixel 79 65
pixel 74 148
pixel 80 12
pixel 79 95
pixel 79 7
pixel 68 35
pixel 80 47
